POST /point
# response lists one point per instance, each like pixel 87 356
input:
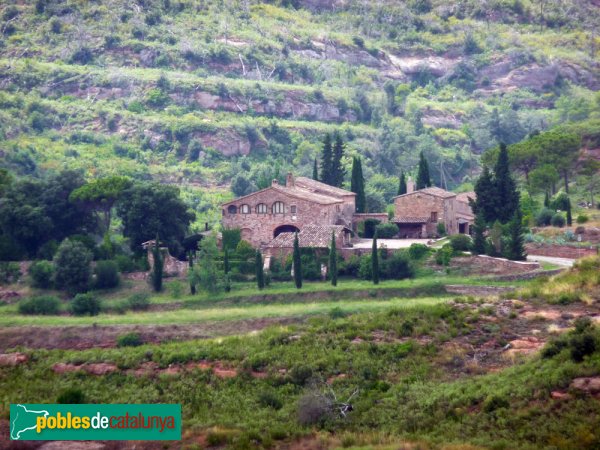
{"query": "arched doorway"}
pixel 285 229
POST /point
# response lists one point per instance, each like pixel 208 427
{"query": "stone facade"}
pixel 263 215
pixel 418 213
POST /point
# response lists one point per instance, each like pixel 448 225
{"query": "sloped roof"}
pixel 314 236
pixel 313 185
pixel 435 191
pixel 464 196
pixel 409 219
pixel 295 192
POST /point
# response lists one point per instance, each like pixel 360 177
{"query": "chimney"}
pixel 275 183
pixel 410 185
pixel 289 180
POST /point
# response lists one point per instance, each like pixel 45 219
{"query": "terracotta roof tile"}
pixel 313 185
pixel 315 236
pixel 409 219
pixel 464 196
pixel 435 191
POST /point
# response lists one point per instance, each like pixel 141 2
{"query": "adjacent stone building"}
pixel 417 213
pixel 265 214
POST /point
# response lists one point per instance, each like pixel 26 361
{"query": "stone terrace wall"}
pixel 560 251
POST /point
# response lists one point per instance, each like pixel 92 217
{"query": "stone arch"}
pixel 285 229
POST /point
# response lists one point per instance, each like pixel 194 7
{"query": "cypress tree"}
pixel 226 267
pixel 191 269
pixel 260 274
pixel 333 272
pixel 505 188
pixel 486 196
pixel 157 270
pixel 315 175
pixel 375 260
pixel 547 200
pixel 402 186
pixel 297 263
pixel 478 238
pixel 326 160
pixel 516 247
pixel 423 179
pixel 357 185
pixel 337 170
pixel 569 214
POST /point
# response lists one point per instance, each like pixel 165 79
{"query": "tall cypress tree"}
pixel 226 259
pixel 485 190
pixel 478 238
pixel 297 263
pixel 337 170
pixel 505 188
pixel 333 272
pixel 515 246
pixel 547 200
pixel 375 260
pixel 315 175
pixel 357 185
pixel 191 269
pixel 402 186
pixel 157 270
pixel 423 179
pixel 569 213
pixel 260 273
pixel 326 160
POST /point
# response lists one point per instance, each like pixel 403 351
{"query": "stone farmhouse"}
pixel 417 213
pixel 302 202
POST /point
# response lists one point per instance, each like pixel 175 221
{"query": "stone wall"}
pixel 560 251
pixel 422 205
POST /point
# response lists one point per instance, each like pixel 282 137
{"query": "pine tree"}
pixel 315 175
pixel 333 272
pixel 478 238
pixel 515 246
pixel 547 200
pixel 375 260
pixel 226 260
pixel 297 263
pixel 486 196
pixel 569 213
pixel 260 273
pixel 402 189
pixel 357 185
pixel 505 188
pixel 191 269
pixel 157 270
pixel 326 160
pixel 337 169
pixel 423 179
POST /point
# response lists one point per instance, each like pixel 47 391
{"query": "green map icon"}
pixel 24 420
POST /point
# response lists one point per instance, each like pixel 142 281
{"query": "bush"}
pixel 10 272
pixel 72 265
pixel 71 396
pixel 494 402
pixel 270 400
pixel 365 270
pixel 417 251
pixel 349 267
pixel 441 229
pixel 129 340
pixel 84 304
pixel 369 228
pixel 558 220
pixel 107 275
pixel 386 230
pixel 544 217
pixel 41 273
pixel 300 374
pixel 582 345
pixel 444 255
pixel 314 409
pixel 43 305
pixel 139 302
pixel 397 267
pixel 582 218
pixel 460 242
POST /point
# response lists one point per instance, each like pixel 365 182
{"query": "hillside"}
pixel 200 94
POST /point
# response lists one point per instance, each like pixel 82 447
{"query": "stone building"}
pixel 263 215
pixel 317 237
pixel 417 213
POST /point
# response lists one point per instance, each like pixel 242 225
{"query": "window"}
pixel 278 208
pixel 293 209
pixel 244 209
pixel 232 209
pixel 434 216
pixel 261 208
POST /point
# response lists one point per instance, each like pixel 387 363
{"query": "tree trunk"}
pixel 566 177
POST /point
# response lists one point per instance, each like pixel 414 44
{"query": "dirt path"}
pixel 83 337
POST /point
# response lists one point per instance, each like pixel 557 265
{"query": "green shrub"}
pixel 369 228
pixel 582 218
pixel 558 220
pixel 337 313
pixel 460 242
pixel 386 230
pixel 129 340
pixel 417 251
pixel 350 266
pixel 139 301
pixel 553 348
pixel 42 305
pixel 397 267
pixel 544 217
pixel 72 266
pixel 85 304
pixel 494 402
pixel 444 255
pixel 10 272
pixel 582 345
pixel 269 399
pixel 300 374
pixel 107 275
pixel 71 396
pixel 441 229
pixel 41 273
